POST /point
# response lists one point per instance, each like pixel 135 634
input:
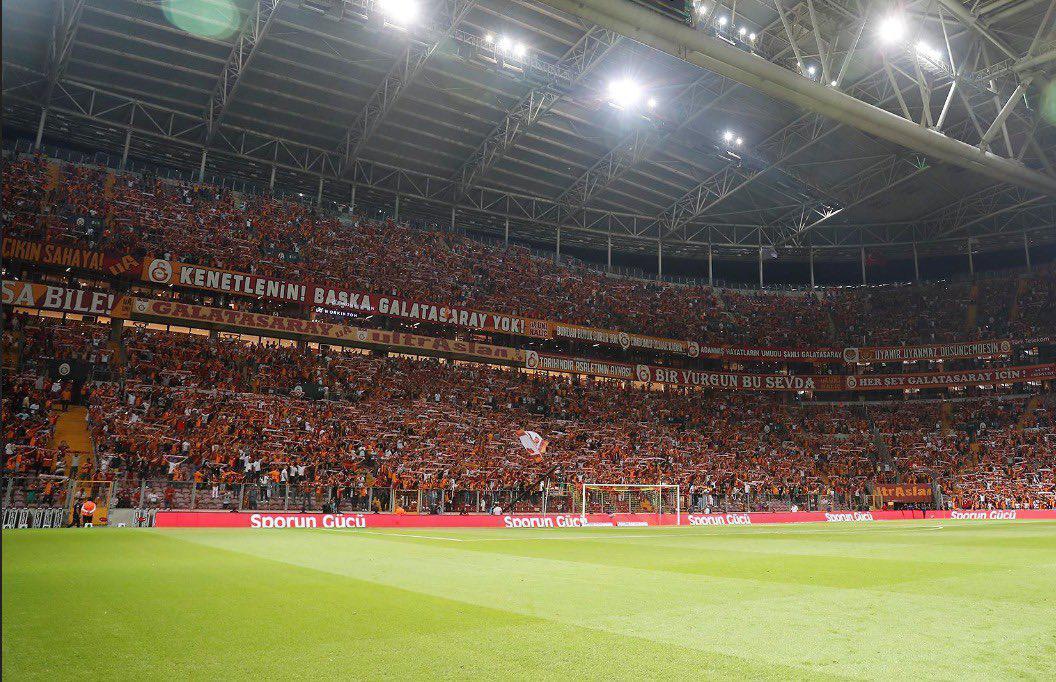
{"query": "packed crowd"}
pixel 220 411
pixel 94 208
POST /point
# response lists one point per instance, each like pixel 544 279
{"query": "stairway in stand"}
pixel 1021 286
pixel 973 307
pixel 1026 419
pixel 946 414
pixel 72 427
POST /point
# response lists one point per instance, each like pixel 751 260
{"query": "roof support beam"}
pixel 878 178
pixel 66 21
pixel 406 69
pixel 580 60
pixel 698 97
pixel 1044 28
pixel 775 151
pixel 715 55
pixel 245 48
pixel 242 146
pixel 1003 114
pixel 971 21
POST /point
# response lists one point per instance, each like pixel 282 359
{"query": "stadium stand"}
pixel 222 412
pixel 97 209
pixel 186 411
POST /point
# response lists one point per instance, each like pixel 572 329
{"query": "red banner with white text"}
pixel 278 520
pixel 57 298
pixel 59 256
pixel 943 351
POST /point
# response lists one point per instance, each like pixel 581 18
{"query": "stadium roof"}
pixel 508 108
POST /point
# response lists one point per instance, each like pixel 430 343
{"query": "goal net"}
pixel 620 498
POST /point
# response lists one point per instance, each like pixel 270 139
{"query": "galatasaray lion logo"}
pixel 643 373
pixel 159 271
pixel 692 349
pixel 852 382
pixel 65 369
pixel 1006 346
pixel 625 341
pixel 141 306
pixel 850 354
pixel 531 359
pixel 361 334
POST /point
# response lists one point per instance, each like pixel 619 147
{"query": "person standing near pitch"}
pixel 87 512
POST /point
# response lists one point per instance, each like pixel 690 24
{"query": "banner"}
pixel 912 492
pixel 971 377
pixel 683 377
pixel 279 520
pixel 942 351
pixel 693 349
pixel 57 298
pixel 161 271
pixel 60 256
pixel 992 514
pixel 818 355
pixel 323 332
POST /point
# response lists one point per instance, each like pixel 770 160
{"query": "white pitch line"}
pixel 602 534
pixel 406 535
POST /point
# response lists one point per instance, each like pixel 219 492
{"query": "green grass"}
pixel 960 600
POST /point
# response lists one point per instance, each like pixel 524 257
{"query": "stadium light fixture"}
pixel 739 141
pixel 651 103
pixel 751 37
pixel 892 29
pixel 727 136
pixel 506 44
pixel 489 39
pixel 399 12
pixel 624 93
pixel 519 50
pixel 742 31
pixel 811 70
pixel 928 52
pixel 723 21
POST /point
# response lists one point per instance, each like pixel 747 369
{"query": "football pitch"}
pixel 893 600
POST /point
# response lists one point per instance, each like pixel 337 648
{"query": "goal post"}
pixel 631 498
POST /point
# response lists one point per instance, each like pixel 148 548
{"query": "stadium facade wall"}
pixel 217 519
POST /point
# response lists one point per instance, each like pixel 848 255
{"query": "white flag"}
pixel 532 442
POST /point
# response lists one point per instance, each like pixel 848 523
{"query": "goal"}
pixel 627 498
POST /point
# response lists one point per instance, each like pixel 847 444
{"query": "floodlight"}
pixel 742 30
pixel 651 103
pixel 892 29
pixel 929 52
pixel 723 21
pixel 811 70
pixel 506 43
pixel 489 39
pixel 399 11
pixel 624 93
pixel 751 37
pixel 833 83
pixel 739 141
pixel 727 136
pixel 520 50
